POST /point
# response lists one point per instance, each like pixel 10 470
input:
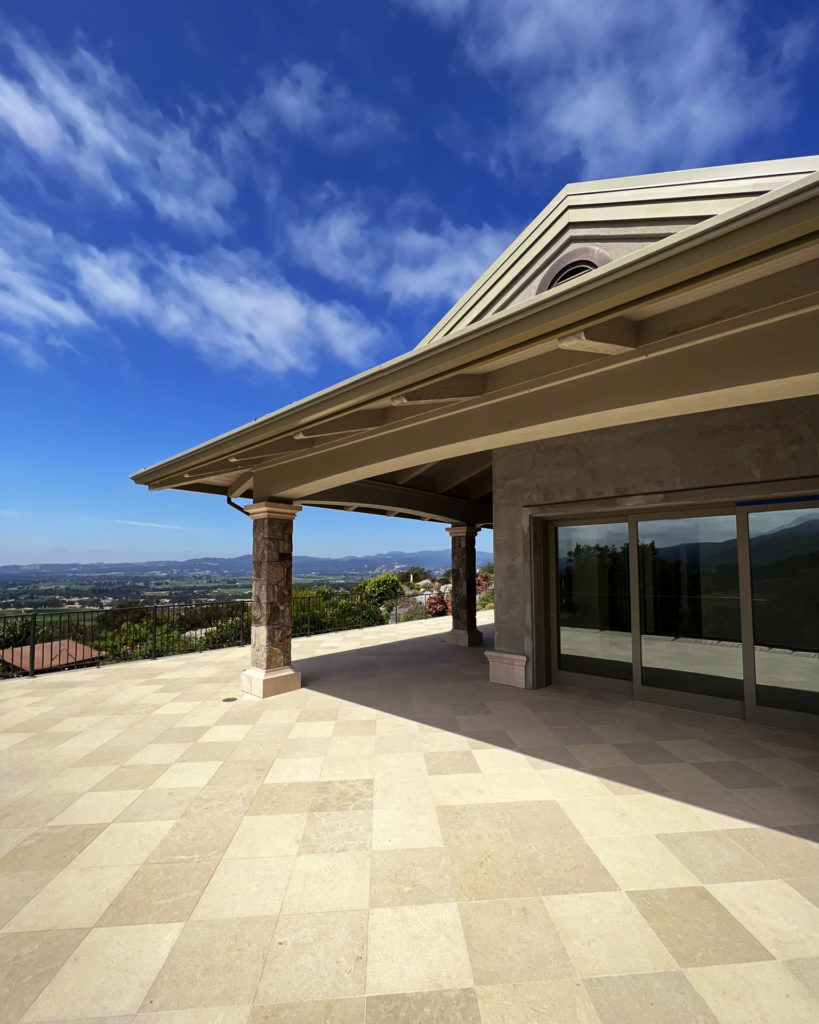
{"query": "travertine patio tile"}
pixel 417 876
pixel 758 993
pixel 413 948
pixel 512 941
pixel 213 963
pixel 357 821
pixel 336 831
pixel 316 957
pixel 714 856
pixel 784 921
pixel 28 961
pixel 159 805
pixel 267 835
pixel 245 888
pixel 405 828
pixel 641 862
pixel 807 971
pixel 784 855
pixel 284 798
pixel 187 775
pixel 696 928
pixel 562 1001
pixel 123 843
pixel 604 934
pixel 82 987
pixel 328 882
pixel 160 893
pixel 49 849
pixel 665 997
pixel 76 898
pixel 438 1007
pixel 94 808
pixel 158 753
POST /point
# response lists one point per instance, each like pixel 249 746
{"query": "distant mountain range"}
pixel 303 565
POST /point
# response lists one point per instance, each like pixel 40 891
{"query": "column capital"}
pixel 463 530
pixel 272 510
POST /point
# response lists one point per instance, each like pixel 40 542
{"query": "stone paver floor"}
pixel 398 841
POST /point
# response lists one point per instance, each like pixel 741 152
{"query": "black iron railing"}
pixel 41 641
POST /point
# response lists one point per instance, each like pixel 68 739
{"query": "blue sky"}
pixel 210 210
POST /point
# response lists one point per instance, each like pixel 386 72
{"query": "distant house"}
pixel 56 654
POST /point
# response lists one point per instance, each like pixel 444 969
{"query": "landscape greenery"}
pixel 128 631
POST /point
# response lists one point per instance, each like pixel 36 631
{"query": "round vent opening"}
pixel 572 270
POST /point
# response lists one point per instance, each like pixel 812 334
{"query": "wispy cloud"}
pixel 156 526
pixel 622 86
pixel 84 123
pixel 234 307
pixel 395 257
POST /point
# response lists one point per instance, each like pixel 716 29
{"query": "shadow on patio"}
pixel 397 841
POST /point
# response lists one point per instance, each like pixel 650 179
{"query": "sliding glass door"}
pixel 594 606
pixel 717 611
pixel 784 570
pixel 691 638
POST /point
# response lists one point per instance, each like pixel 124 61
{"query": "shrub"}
pixel 437 604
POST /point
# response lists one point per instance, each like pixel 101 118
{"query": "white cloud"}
pixel 156 526
pixel 624 86
pixel 397 258
pixel 79 117
pixel 329 115
pixel 234 308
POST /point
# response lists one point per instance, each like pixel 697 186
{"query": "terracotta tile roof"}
pixel 56 654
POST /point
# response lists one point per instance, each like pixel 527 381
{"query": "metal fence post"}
pixel 153 632
pixel 309 602
pixel 32 643
pixel 360 611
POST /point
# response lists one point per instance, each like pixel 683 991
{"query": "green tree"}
pixel 382 588
pixel 414 574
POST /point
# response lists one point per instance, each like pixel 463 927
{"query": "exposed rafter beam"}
pixel 466 385
pixel 412 473
pixel 607 338
pixel 242 483
pixel 449 475
pixel 392 498
pixel 364 419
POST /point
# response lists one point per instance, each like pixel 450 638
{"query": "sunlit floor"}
pixel 398 841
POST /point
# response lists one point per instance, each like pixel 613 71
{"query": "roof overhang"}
pixel 690 323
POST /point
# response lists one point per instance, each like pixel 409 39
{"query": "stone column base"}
pixel 268 682
pixel 509 669
pixel 465 637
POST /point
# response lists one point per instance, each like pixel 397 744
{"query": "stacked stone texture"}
pixel 272 592
pixel 464 588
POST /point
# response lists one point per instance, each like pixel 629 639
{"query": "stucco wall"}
pixel 776 441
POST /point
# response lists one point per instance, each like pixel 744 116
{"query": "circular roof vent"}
pixel 571 271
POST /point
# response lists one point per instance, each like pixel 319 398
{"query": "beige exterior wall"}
pixel 776 441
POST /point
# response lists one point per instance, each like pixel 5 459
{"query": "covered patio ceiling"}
pixel 691 323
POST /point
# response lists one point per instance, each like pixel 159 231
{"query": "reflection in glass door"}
pixel 784 552
pixel 689 606
pixel 594 610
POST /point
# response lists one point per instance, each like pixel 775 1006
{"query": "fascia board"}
pixel 652 268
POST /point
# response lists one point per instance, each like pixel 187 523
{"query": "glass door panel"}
pixel 594 609
pixel 784 547
pixel 689 606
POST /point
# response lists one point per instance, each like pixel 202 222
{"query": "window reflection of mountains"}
pixel 785 586
pixel 799 541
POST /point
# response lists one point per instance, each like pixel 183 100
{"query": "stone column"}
pixel 465 632
pixel 270 670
